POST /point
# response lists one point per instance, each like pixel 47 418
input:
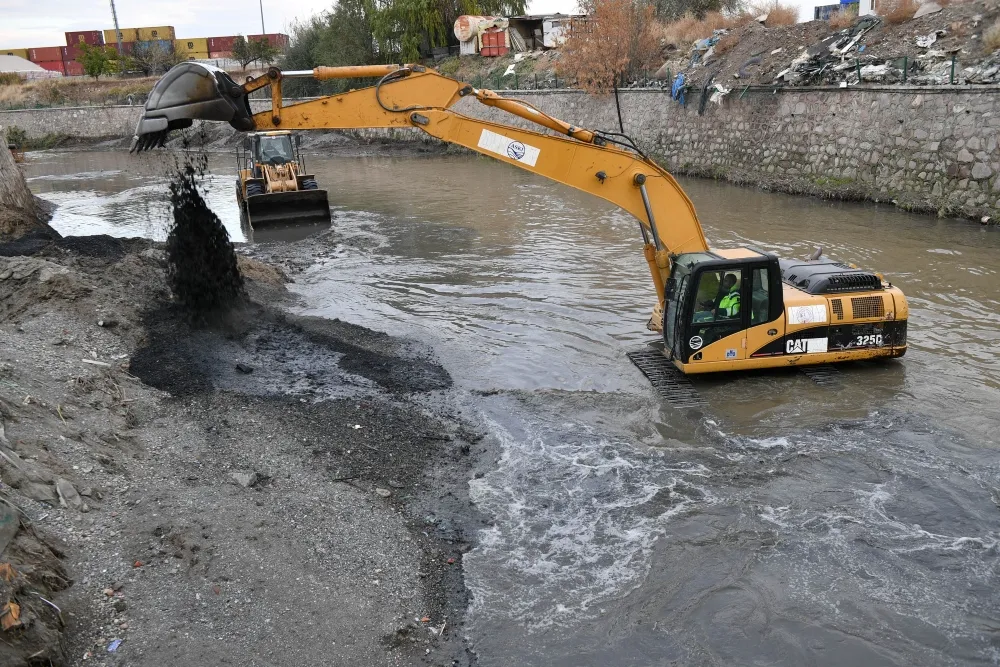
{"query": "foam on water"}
pixel 576 514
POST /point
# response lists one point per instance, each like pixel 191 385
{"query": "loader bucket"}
pixel 188 92
pixel 283 208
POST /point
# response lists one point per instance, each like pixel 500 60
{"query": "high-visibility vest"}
pixel 730 304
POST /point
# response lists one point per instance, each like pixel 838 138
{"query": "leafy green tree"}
pixel 340 37
pixel 265 53
pixel 243 51
pixel 97 60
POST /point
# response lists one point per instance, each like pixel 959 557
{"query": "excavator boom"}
pixel 413 96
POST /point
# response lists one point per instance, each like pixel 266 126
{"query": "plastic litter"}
pixel 677 89
pixel 719 93
pixel 113 646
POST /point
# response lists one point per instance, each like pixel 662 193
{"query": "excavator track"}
pixel 824 375
pixel 669 382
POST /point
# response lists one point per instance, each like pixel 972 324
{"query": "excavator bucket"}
pixel 283 208
pixel 190 91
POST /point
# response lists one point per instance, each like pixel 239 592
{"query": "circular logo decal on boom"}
pixel 515 150
pixel 695 342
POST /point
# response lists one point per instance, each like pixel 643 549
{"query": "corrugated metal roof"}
pixel 18 64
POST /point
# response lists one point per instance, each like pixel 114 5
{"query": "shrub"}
pixel 991 37
pixel 10 79
pixel 841 20
pixel 619 38
pixel 778 14
pixel 689 28
pixel 896 11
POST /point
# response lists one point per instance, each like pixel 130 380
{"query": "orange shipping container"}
pixel 70 53
pixel 73 68
pixel 220 55
pixel 52 66
pixel 20 53
pixel 221 43
pixel 45 54
pixel 273 38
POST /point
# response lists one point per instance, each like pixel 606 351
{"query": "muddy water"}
pixel 788 524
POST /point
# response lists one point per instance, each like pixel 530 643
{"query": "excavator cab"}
pixel 273 189
pixel 741 308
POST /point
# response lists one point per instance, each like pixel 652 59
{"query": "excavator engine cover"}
pixel 191 91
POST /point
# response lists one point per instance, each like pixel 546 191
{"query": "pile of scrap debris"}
pixel 940 45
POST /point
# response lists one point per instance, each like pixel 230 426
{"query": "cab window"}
pixel 718 306
pixel 276 149
pixel 718 297
pixel 759 297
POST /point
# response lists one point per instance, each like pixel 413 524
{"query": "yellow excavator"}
pixel 717 309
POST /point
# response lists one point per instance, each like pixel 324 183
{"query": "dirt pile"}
pixel 757 55
pixel 287 493
pixel 202 266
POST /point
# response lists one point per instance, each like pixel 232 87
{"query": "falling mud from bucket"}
pixel 202 268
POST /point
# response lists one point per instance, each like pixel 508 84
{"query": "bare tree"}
pixel 618 38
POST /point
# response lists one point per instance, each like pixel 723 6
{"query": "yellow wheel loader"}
pixel 273 188
pixel 717 309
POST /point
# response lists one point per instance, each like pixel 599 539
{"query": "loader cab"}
pixel 721 303
pixel 271 148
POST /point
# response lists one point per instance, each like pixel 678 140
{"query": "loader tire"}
pixel 254 189
pixel 309 184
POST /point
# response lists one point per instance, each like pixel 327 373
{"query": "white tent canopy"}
pixel 25 68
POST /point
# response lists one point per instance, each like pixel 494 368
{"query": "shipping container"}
pixel 221 43
pixel 220 55
pixel 128 35
pixel 52 65
pixel 92 37
pixel 192 45
pixel 20 53
pixel 45 54
pixel 273 38
pixel 70 53
pixel 163 44
pixel 73 68
pixel 155 33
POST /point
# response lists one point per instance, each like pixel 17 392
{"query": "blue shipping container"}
pixel 164 44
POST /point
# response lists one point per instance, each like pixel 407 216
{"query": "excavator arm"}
pixel 602 164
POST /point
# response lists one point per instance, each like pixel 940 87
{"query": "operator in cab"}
pixel 725 305
pixel 729 306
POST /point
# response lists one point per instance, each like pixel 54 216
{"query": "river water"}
pixel 786 524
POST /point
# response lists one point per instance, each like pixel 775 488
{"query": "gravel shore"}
pixel 261 490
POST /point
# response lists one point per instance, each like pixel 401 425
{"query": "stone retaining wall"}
pixel 922 148
pixel 79 122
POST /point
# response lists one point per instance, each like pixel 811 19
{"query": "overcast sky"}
pixel 30 23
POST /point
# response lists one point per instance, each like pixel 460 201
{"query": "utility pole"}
pixel 262 31
pixel 118 32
